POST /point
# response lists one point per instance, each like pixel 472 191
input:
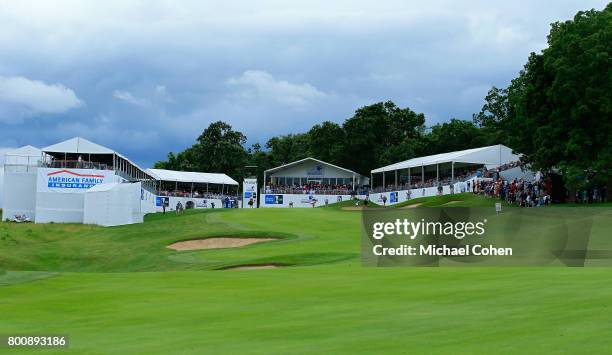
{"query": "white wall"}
pixel 1 184
pixel 402 195
pixel 63 205
pixel 198 202
pixel 119 205
pixel 19 194
pixel 147 204
pixel 2 157
pixel 304 201
pixel 299 201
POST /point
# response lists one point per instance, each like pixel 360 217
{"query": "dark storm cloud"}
pixel 146 77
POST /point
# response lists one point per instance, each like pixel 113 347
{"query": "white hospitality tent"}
pixel 24 157
pixel 190 180
pixel 113 204
pixel 79 152
pixel 489 157
pixel 309 169
pixel 17 175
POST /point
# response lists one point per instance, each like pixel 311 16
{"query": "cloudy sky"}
pixel 146 77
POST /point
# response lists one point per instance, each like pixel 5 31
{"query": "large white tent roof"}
pixel 494 155
pixel 189 176
pixel 25 151
pixel 26 155
pixel 78 145
pixel 297 162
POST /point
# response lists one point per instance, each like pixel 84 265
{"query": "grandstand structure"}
pixel 79 181
pixel 439 174
pixel 194 189
pixel 308 182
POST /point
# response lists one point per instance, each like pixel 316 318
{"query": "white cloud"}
pixel 262 85
pixel 37 96
pixel 160 89
pixel 127 96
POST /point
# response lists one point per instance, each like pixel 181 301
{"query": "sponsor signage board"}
pixel 71 180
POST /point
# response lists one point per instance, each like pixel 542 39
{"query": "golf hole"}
pixel 217 243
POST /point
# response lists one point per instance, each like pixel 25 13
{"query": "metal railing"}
pixel 74 164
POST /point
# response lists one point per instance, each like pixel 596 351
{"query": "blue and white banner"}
pixel 274 199
pixel 317 170
pixel 249 188
pixel 71 180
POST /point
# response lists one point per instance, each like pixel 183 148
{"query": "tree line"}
pixel 557 113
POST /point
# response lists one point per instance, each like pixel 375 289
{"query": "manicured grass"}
pixel 466 199
pixel 89 282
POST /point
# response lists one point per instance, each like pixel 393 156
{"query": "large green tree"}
pixel 558 110
pixel 454 135
pixel 285 149
pixel 375 130
pixel 326 141
pixel 218 149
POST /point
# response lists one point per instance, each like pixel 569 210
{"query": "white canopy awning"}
pixel 189 176
pixel 78 145
pixel 27 155
pixel 25 151
pixel 297 162
pixel 494 155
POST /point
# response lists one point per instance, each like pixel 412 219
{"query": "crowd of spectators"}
pixel 195 194
pixel 518 191
pixel 593 195
pixel 415 182
pixel 310 189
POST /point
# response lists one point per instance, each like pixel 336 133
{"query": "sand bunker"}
pixel 413 206
pixel 452 202
pixel 217 243
pixel 252 267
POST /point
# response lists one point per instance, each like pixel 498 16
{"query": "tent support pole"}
pixel 422 176
pixel 384 185
pixel 396 179
pixel 437 174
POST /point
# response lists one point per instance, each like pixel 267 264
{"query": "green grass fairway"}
pixel 120 290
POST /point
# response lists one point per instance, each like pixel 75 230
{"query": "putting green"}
pixel 90 283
